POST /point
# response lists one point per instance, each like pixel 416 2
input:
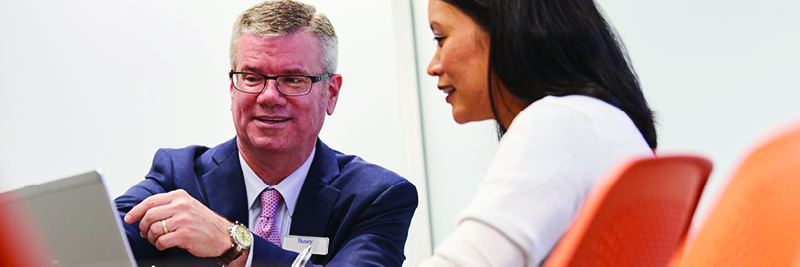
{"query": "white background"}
pixel 91 83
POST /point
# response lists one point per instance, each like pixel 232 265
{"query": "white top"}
pixel 552 154
pixel 289 189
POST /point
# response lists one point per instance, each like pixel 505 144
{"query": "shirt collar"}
pixel 289 187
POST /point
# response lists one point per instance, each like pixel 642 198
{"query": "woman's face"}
pixel 461 61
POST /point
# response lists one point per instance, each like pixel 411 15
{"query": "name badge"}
pixel 296 243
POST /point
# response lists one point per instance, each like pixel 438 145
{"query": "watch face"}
pixel 243 236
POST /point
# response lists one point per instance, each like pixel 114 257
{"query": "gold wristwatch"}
pixel 242 239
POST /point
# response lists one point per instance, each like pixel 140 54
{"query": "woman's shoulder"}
pixel 576 107
pixel 578 103
pixel 579 113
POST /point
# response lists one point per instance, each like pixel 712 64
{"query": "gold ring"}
pixel 164 226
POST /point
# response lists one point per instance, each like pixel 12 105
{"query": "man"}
pixel 199 205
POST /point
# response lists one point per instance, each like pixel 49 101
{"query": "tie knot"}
pixel 269 202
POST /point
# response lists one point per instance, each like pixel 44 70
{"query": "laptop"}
pixel 76 220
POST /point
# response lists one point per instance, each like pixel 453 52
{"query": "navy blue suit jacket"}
pixel 364 210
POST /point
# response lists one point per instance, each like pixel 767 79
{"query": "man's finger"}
pixel 154 215
pixel 153 232
pixel 156 231
pixel 138 211
pixel 166 241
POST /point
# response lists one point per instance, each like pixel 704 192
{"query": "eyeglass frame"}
pixel 314 79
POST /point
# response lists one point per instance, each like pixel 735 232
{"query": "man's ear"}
pixel 334 84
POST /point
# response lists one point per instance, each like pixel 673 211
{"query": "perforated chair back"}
pixel 636 216
pixel 756 220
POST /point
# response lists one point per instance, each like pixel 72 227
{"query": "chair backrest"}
pixel 20 242
pixel 637 215
pixel 756 220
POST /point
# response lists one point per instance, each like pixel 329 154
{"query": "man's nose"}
pixel 270 95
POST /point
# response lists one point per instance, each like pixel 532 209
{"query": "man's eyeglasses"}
pixel 289 85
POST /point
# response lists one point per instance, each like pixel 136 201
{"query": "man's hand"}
pixel 190 224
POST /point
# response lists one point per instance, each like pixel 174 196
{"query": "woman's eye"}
pixel 439 40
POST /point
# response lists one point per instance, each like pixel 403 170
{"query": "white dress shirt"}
pixel 289 189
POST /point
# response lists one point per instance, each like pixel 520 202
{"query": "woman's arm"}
pixel 474 243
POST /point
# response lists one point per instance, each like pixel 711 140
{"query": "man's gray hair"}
pixel 273 18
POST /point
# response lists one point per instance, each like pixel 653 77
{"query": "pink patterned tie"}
pixel 265 227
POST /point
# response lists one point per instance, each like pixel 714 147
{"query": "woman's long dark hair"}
pixel 558 47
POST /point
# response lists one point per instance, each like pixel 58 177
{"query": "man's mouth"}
pixel 448 90
pixel 271 120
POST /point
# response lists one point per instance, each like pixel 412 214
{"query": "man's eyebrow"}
pixel 295 72
pixel 248 69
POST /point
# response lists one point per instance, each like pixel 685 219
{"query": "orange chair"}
pixel 19 242
pixel 636 216
pixel 756 220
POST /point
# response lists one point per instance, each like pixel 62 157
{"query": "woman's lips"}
pixel 447 90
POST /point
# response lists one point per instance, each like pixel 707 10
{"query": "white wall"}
pixel 719 75
pixel 96 83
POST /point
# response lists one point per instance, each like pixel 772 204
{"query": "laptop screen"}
pixel 75 218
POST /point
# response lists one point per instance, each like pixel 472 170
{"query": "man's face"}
pixel 271 122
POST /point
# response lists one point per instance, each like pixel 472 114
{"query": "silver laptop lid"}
pixel 77 220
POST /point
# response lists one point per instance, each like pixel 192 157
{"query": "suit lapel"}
pixel 224 184
pixel 317 198
pixel 226 193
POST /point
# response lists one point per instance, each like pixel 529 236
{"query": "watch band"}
pixel 229 256
pixel 237 248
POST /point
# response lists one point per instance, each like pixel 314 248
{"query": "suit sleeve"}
pixel 266 254
pixel 378 235
pixel 160 175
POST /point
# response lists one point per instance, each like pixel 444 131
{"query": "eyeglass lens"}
pixel 289 85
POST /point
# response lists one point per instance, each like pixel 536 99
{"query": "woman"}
pixel 567 104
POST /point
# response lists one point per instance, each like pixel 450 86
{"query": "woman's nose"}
pixel 435 67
